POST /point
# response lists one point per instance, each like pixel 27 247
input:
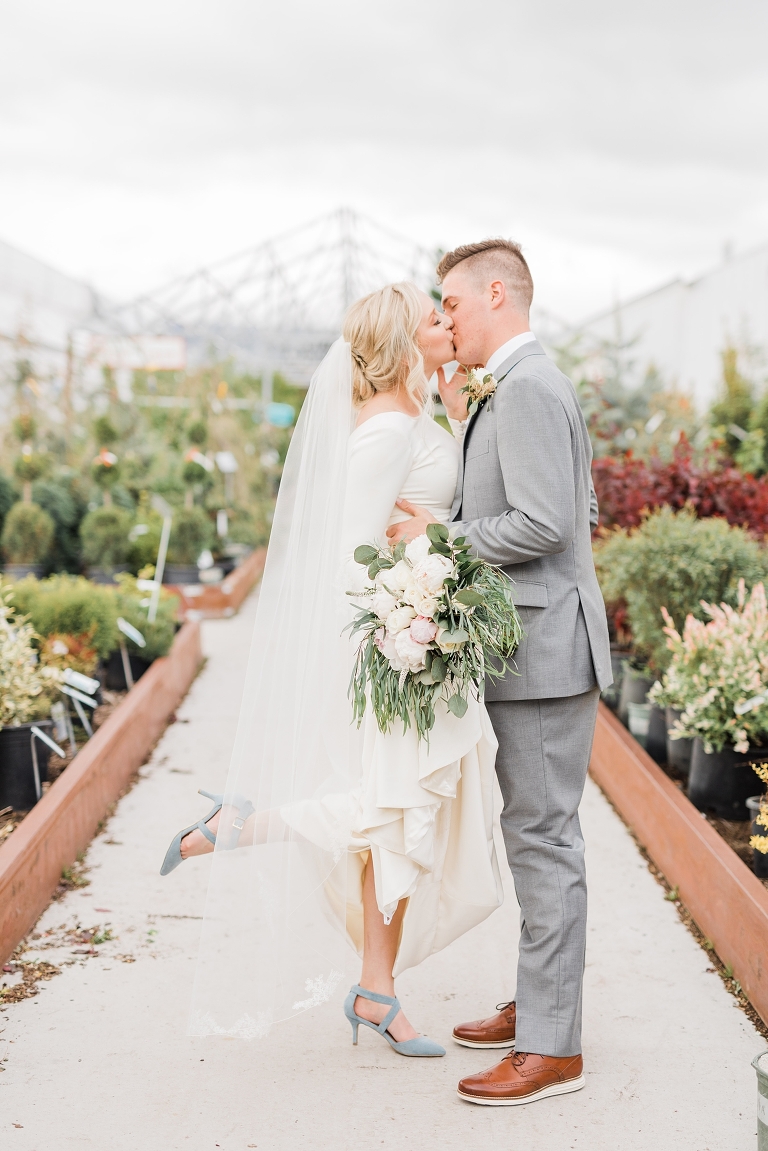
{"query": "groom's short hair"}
pixel 497 258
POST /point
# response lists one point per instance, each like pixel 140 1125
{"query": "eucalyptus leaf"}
pixel 439 669
pixel 458 705
pixel 469 597
pixel 365 554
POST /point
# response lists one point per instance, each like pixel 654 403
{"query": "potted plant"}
pixel 25 699
pixel 132 604
pixel 758 808
pixel 719 674
pixel 672 560
pixel 105 468
pixel 191 534
pixel 72 606
pixel 26 539
pixel 105 535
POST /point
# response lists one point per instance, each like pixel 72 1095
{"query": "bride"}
pixel 378 840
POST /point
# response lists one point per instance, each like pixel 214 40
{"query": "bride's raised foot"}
pixel 388 1019
pixel 200 838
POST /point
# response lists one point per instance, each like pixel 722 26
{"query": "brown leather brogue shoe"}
pixel 496 1031
pixel 522 1078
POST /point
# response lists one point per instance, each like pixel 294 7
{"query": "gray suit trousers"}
pixel 544 750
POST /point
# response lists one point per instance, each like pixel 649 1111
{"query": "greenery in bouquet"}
pixel 132 604
pixel 105 536
pixel 718 676
pixel 675 561
pixel 69 605
pixel 26 686
pixel 760 842
pixel 27 534
pixel 440 621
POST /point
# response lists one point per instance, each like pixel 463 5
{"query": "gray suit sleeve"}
pixel 536 458
pixel 594 511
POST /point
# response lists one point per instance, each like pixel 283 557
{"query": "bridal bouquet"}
pixel 439 621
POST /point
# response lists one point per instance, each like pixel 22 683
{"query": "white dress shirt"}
pixel 459 427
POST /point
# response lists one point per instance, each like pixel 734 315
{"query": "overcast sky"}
pixel 621 142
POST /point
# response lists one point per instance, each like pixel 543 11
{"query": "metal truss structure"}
pixel 279 305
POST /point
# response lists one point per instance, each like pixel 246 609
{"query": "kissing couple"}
pixel 330 832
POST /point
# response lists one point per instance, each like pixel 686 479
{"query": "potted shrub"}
pixel 758 808
pixel 26 540
pixel 72 606
pixel 672 560
pixel 25 699
pixel 719 674
pixel 132 605
pixel 105 535
pixel 191 534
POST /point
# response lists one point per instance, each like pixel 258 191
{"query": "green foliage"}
pixel 133 605
pixel 25 428
pixel 64 504
pixel 104 533
pixel 27 534
pixel 7 498
pixel 104 432
pixel 674 560
pixel 734 407
pixel 758 423
pixel 70 605
pixel 24 684
pixel 191 533
pixel 30 466
pixel 197 433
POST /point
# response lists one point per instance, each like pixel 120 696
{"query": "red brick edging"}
pixel 65 820
pixel 727 901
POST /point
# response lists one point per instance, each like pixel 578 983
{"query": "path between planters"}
pixel 99 1058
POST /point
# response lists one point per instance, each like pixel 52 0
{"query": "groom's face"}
pixel 470 306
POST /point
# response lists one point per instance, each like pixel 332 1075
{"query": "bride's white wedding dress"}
pixel 280 915
pixel 423 810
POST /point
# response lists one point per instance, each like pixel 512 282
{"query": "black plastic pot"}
pixel 115 674
pixel 19 571
pixel 181 574
pixel 721 782
pixel 18 787
pixel 656 743
pixel 106 574
pixel 634 689
pixel 759 858
pixel 678 750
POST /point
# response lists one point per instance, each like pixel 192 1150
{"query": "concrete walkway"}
pixel 99 1059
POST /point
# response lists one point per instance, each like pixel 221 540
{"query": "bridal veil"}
pixel 273 940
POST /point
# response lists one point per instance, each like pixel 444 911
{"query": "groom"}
pixel 525 500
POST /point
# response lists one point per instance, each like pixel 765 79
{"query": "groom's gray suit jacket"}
pixel 525 500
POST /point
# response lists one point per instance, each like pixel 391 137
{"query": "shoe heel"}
pixel 354 1034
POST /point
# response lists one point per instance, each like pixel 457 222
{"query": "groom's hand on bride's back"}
pixel 409 529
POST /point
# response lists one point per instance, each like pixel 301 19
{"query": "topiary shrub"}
pixel 105 536
pixel 61 500
pixel 8 498
pixel 70 605
pixel 27 534
pixel 673 560
pixel 191 533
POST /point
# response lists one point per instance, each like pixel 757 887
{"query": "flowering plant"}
pixel 760 842
pixel 718 677
pixel 25 686
pixel 439 621
pixel 479 386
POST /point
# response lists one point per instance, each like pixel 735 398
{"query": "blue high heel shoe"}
pixel 173 856
pixel 420 1046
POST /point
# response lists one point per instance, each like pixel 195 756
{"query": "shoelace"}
pixel 504 1006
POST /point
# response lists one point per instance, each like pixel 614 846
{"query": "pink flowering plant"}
pixel 439 621
pixel 718 677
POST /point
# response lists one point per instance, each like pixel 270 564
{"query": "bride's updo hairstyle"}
pixel 381 332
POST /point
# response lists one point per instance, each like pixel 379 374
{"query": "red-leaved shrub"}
pixel 627 486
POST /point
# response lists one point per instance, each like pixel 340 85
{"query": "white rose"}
pixel 418 549
pixel 411 653
pixel 424 604
pixel 431 573
pixel 383 603
pixel 398 577
pixel 386 646
pixel 399 619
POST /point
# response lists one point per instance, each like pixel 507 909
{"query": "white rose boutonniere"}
pixel 479 386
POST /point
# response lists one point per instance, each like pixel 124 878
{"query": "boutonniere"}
pixel 479 386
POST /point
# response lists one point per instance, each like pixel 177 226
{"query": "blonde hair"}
pixel 381 332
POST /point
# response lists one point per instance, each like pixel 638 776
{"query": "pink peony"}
pixel 423 630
